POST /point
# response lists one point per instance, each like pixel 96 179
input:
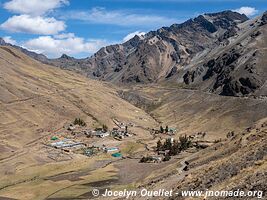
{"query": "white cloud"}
pixel 248 11
pixel 34 25
pixel 33 7
pixel 64 35
pixel 118 17
pixel 8 39
pixel 131 35
pixel 69 44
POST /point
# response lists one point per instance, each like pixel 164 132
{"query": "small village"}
pixel 77 138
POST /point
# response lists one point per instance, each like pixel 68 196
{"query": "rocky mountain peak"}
pixel 65 56
pixel 133 42
pixel 228 14
pixel 226 19
pixel 2 41
pixel 264 18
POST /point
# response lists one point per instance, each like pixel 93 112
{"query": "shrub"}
pixel 159 145
pixel 167 129
pixel 167 158
pixel 146 159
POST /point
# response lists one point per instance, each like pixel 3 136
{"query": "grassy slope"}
pixel 35 100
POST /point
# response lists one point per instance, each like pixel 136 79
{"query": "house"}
pixel 54 138
pixel 98 133
pixel 101 134
pixel 171 131
pixel 71 127
pixel 66 144
pixel 156 159
pixel 111 149
pixel 104 134
pixel 164 153
pixel 116 155
pixel 128 135
pixel 120 133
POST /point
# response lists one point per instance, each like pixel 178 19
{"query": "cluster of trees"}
pixel 164 130
pixel 79 122
pixel 173 146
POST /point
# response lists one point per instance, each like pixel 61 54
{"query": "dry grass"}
pixel 35 101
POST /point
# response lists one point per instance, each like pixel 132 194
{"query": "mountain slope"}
pixel 192 111
pixel 36 99
pixel 235 68
pixel 223 53
pixel 235 164
pixel 238 163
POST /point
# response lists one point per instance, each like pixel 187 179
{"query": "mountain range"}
pixel 222 53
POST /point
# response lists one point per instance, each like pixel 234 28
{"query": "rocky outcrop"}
pixel 242 86
pixel 172 72
pixel 189 77
pixel 227 80
pixel 264 19
pixel 2 42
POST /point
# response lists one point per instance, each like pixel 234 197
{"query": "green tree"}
pixel 185 142
pixel 79 122
pixel 143 159
pixel 167 158
pixel 175 150
pixel 126 129
pixel 159 145
pixel 167 144
pixel 167 129
pixel 105 128
pixel 161 130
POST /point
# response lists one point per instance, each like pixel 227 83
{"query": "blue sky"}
pixel 80 27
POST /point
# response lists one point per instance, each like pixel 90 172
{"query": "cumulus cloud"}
pixel 34 25
pixel 64 35
pixel 131 35
pixel 8 39
pixel 33 7
pixel 248 11
pixel 118 17
pixel 55 46
pixel 32 16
